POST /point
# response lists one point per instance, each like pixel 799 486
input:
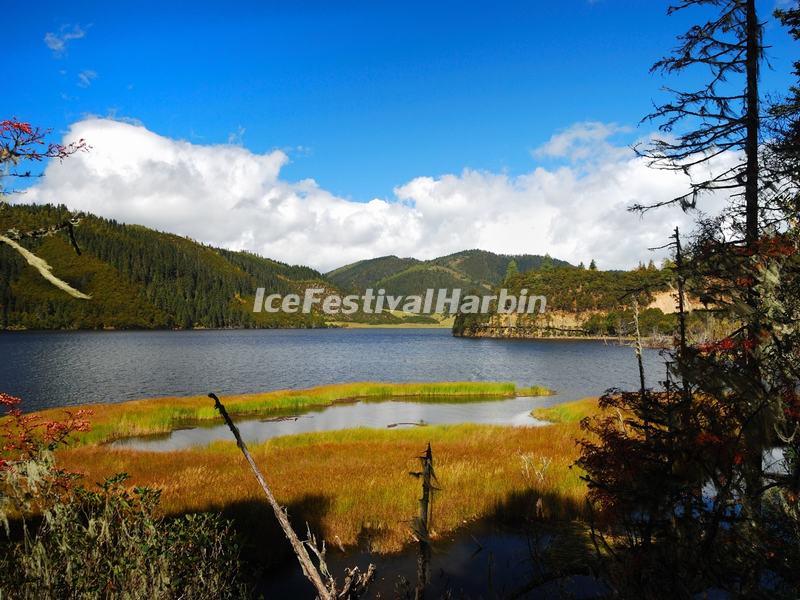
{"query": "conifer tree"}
pixel 511 270
pixel 678 472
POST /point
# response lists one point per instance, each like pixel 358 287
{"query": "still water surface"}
pixel 49 369
pixel 69 368
pixel 396 413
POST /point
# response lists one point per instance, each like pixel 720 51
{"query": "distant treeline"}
pixel 138 278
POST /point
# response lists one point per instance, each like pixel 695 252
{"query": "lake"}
pixel 51 369
pixel 48 369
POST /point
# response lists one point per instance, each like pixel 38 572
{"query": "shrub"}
pixel 66 541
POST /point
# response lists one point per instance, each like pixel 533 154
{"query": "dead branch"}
pixel 355 582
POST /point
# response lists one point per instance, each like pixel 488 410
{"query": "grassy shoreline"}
pixel 568 412
pixel 360 325
pixel 161 415
pixel 353 485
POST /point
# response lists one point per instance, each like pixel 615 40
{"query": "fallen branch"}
pixel 355 583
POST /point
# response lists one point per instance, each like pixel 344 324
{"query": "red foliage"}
pixel 21 141
pixel 16 126
pixel 791 405
pixel 727 345
pixel 9 400
pixel 24 435
pixel 777 245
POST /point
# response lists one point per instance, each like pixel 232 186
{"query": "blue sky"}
pixel 362 96
pixel 326 132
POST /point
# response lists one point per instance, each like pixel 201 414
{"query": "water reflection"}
pixel 384 414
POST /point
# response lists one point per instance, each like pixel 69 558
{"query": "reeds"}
pixel 568 412
pixel 161 415
pixel 353 486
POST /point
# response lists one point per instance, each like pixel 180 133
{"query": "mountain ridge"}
pixel 473 269
pixel 141 278
pixel 138 278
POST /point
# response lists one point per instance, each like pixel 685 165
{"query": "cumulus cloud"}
pixel 227 196
pixel 57 42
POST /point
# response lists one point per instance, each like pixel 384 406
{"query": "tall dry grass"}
pixel 568 412
pixel 353 486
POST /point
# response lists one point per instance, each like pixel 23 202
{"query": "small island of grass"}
pixel 161 415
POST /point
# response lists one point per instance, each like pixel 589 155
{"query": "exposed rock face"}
pixel 524 326
pixel 668 304
pixel 553 323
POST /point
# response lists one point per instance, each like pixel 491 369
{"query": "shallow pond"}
pixel 377 414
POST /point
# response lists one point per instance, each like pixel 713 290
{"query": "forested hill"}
pixel 138 278
pixel 470 269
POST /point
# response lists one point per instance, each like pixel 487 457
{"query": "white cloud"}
pixel 57 42
pixel 226 195
pixel 85 78
pixel 583 141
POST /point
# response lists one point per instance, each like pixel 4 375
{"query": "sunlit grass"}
pixel 352 485
pixel 568 412
pixel 161 415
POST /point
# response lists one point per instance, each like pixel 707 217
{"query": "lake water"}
pixel 49 369
pixel 484 562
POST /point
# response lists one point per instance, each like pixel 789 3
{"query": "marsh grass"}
pixel 353 486
pixel 161 415
pixel 568 412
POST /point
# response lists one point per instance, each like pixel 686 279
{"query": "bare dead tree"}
pixel 720 119
pixel 637 348
pixel 355 583
pixel 422 522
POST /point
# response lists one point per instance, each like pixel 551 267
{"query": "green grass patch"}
pixel 568 412
pixel 161 415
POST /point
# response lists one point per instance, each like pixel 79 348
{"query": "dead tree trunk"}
pixel 422 521
pixel 637 346
pixel 638 349
pixel 355 583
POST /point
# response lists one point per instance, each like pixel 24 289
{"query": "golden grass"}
pixel 354 485
pixel 160 415
pixel 568 412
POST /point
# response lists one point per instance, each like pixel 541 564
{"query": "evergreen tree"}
pixel 678 473
pixel 511 270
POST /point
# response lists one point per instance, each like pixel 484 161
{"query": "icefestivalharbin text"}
pixel 440 301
